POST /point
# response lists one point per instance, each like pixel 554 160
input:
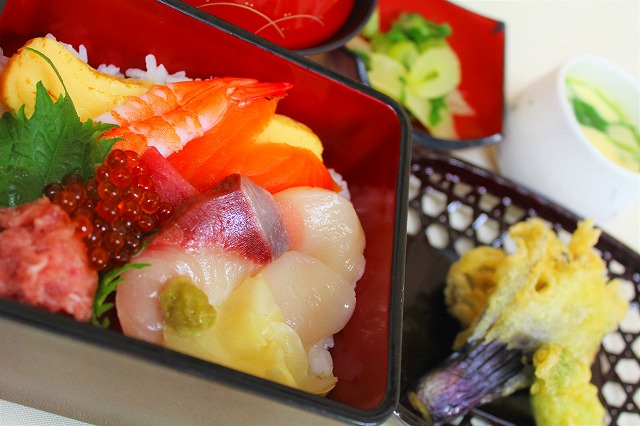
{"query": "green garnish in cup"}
pixel 604 123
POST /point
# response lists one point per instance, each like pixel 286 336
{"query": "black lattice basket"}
pixel 454 206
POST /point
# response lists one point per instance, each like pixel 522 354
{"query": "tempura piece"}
pixel 471 281
pixel 552 293
pixel 561 394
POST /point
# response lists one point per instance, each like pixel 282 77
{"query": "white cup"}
pixel 545 150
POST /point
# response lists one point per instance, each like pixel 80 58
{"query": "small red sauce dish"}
pixel 479 43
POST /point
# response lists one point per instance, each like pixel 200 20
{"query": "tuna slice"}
pixel 42 263
pixel 216 239
pixel 170 185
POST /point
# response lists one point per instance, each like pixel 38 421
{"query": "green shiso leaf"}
pixel 41 149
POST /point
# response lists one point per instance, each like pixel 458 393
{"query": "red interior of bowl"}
pixel 369 157
pixel 479 43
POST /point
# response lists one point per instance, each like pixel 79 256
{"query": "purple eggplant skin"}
pixel 478 373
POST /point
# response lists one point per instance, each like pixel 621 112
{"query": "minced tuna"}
pixel 42 263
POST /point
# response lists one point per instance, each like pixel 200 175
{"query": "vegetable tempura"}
pixel 544 293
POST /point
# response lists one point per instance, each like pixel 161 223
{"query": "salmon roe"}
pixel 114 210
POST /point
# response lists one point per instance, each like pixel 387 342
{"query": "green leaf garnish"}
pixel 415 27
pixel 587 115
pixel 438 105
pixel 107 285
pixel 42 149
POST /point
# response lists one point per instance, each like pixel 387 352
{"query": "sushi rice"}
pixel 155 73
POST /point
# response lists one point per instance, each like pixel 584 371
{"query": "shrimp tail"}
pixel 261 90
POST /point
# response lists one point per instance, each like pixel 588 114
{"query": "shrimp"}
pixel 169 116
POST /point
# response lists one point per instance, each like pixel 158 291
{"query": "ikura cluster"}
pixel 113 211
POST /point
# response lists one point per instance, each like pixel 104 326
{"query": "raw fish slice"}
pixel 232 148
pixel 236 215
pixel 242 125
pixel 315 299
pixel 215 271
pixel 325 225
pixel 169 184
pixel 217 239
pixel 273 166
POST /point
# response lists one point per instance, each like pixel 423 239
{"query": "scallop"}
pixel 315 299
pixel 325 225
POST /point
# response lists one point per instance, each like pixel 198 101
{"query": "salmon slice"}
pixel 242 124
pixel 275 167
pixel 232 149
